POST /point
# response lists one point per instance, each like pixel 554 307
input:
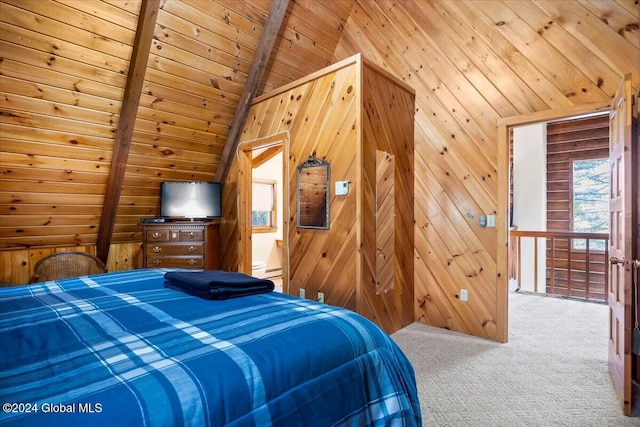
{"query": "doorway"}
pixel 504 181
pixel 623 204
pixel 559 208
pixel 263 208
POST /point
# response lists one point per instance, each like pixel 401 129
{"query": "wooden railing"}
pixel 573 267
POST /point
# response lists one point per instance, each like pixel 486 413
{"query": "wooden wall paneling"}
pixel 126 122
pixel 16 266
pixel 620 16
pixel 451 56
pixel 230 247
pixel 569 140
pixel 292 44
pixel 555 27
pixel 489 33
pixel 459 259
pixel 39 77
pixel 26 92
pixel 260 61
pixel 531 44
pixel 387 125
pixel 71 102
pixel 191 90
pixel 315 253
pixel 385 218
pixel 303 43
pixel 245 187
pixel 484 60
pixel 321 114
pixel 65 65
pixel 125 256
pixel 602 41
pixel 439 71
pixel 496 55
pixel 234 29
pixel 38 59
pixel 73 29
pixel 114 11
pixel 449 113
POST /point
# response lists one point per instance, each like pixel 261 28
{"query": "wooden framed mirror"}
pixel 313 194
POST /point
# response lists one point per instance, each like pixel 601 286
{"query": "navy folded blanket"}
pixel 216 284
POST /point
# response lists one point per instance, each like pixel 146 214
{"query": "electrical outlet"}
pixel 320 296
pixel 464 295
pixel 302 293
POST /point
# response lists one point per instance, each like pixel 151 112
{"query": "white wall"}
pixel 264 244
pixel 530 197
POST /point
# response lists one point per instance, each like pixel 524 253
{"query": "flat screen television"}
pixel 191 200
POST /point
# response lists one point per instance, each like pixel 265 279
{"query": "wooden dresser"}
pixel 183 244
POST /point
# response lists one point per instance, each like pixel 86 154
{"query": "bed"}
pixel 121 349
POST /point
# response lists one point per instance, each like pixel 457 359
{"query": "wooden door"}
pixel 622 240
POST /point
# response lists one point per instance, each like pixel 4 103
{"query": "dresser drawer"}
pixel 174 235
pixel 182 249
pixel 177 262
pixel 181 244
pixel 157 235
pixel 189 235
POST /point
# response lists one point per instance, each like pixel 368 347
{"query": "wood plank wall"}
pixel 320 116
pixel 62 79
pixel 16 266
pixel 569 140
pixel 387 125
pixel 472 63
pixel 578 139
pixel 342 114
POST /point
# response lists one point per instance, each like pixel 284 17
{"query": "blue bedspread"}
pixel 119 349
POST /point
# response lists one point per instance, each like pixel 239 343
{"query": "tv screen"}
pixel 190 199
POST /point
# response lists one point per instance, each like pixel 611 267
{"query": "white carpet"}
pixel 544 376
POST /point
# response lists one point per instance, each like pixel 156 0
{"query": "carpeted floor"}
pixel 544 375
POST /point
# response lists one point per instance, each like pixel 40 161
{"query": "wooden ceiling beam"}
pixel 260 61
pixel 133 88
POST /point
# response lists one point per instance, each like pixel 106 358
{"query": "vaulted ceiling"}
pixel 64 66
pixel 64 69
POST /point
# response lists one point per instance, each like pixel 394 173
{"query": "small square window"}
pixel 263 206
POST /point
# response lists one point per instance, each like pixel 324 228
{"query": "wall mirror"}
pixel 313 194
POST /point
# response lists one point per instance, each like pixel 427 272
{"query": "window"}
pixel 590 200
pixel 263 209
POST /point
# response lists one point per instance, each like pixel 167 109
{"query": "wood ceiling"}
pixel 64 68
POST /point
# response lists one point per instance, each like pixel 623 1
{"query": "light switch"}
pixel 342 188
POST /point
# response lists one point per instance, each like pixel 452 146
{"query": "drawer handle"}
pixel 156 235
pixel 192 262
pixel 192 234
pixel 191 249
pixel 174 235
pixel 157 249
pixel 156 262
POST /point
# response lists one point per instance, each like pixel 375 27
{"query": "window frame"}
pixel 572 205
pixel 273 227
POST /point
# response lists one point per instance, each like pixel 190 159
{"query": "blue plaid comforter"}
pixel 120 349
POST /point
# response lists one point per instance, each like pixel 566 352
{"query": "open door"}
pixel 623 238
